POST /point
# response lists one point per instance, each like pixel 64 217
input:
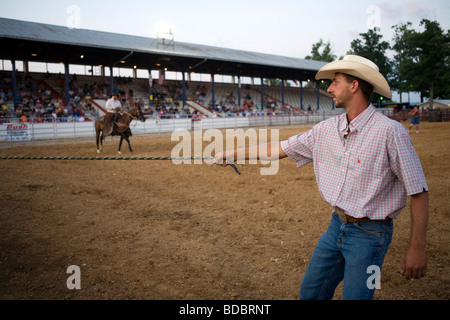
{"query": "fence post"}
pixel 55 129
pixel 32 128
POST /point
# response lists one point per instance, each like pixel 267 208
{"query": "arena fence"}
pixel 13 132
pixel 435 115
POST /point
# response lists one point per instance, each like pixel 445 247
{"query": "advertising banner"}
pixel 17 132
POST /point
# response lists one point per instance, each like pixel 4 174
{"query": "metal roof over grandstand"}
pixel 30 41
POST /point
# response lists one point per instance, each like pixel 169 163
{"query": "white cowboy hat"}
pixel 358 67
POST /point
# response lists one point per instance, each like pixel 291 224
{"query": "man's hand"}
pixel 221 158
pixel 414 264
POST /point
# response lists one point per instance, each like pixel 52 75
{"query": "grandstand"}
pixel 42 109
pixel 226 88
pixel 94 90
pixel 165 94
pixel 27 42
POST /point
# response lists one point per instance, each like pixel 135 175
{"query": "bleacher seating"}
pixel 168 96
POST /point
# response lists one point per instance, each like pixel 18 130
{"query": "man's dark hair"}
pixel 366 87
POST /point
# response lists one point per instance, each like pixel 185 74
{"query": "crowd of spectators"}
pixel 39 103
pixel 36 102
pixel 167 101
pixel 270 107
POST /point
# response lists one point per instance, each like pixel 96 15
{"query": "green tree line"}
pixel 420 62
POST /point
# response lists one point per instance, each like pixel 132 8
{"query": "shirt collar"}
pixel 343 123
pixel 359 122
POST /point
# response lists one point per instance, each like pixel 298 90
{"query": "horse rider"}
pixel 113 108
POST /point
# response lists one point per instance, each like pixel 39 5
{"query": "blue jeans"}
pixel 345 252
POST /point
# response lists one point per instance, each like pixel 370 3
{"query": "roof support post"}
pixel 184 89
pixel 301 95
pixel 239 91
pixel 262 93
pixel 213 91
pixel 282 92
pixel 111 80
pixel 318 95
pixel 150 88
pixel 66 81
pixel 14 83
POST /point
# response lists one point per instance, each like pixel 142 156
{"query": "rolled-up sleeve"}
pixel 405 164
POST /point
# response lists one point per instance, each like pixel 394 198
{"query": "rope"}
pixel 101 158
pixel 111 158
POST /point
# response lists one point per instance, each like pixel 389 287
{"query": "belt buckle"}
pixel 341 214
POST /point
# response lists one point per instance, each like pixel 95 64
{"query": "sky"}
pixel 280 27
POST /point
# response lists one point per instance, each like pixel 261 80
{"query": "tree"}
pixel 326 55
pixel 422 59
pixel 371 46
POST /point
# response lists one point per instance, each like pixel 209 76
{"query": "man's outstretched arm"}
pixel 271 151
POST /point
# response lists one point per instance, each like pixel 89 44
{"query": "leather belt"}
pixel 345 218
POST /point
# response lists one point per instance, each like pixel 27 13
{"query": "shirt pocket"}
pixel 356 177
pixel 367 174
pixel 355 167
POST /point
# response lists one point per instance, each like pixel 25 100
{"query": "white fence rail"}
pixel 11 132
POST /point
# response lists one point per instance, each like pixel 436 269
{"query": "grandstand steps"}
pixel 292 97
pixel 99 105
pixel 195 106
pixel 272 98
pixel 56 95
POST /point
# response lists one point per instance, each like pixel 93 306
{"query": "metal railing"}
pixel 13 131
pixel 434 115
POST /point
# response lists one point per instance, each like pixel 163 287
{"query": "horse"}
pixel 121 128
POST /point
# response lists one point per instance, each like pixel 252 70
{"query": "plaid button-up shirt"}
pixel 366 167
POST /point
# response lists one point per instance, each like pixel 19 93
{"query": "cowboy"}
pixel 365 166
pixel 113 108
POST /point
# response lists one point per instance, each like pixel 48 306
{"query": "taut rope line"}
pixel 99 158
pixel 110 158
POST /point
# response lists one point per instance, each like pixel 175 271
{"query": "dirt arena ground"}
pixel 155 230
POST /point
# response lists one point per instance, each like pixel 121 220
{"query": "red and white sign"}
pixel 17 132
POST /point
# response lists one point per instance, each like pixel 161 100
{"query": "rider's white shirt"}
pixel 112 105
